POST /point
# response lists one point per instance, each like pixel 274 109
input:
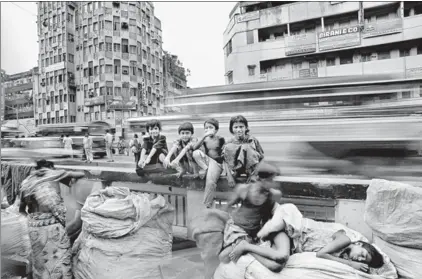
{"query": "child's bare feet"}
pixel 238 251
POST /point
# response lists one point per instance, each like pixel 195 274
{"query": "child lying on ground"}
pixel 258 203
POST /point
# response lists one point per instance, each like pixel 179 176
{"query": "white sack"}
pixel 124 235
pixel 394 212
pixel 407 261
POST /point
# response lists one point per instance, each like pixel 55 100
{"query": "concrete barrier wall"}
pixel 330 200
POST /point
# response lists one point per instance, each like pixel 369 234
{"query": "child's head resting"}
pixel 154 127
pixel 186 131
pixel 361 251
pixel 239 126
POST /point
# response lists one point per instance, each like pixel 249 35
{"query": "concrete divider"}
pixel 330 200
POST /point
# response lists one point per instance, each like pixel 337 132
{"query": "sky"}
pixel 191 30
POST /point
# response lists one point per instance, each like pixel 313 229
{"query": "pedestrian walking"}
pixel 136 147
pixel 67 141
pixel 88 148
pixel 109 145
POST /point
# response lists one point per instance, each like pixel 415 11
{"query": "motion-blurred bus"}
pixel 77 131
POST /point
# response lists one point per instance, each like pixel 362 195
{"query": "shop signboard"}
pixel 99 100
pixel 302 43
pixel 339 38
pixel 248 16
pixel 382 28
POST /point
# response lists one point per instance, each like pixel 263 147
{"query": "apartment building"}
pixel 17 94
pixel 99 61
pixel 175 80
pixel 267 41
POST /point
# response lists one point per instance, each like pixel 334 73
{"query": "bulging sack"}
pixel 124 235
pixel 394 212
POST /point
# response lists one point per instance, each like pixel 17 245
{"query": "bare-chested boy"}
pixel 209 159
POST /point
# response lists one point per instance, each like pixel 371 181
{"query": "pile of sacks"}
pixel 394 212
pixel 124 235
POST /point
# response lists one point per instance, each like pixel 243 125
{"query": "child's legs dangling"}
pixel 212 177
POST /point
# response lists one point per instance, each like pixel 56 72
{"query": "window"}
pixel 109 44
pixel 295 66
pixel 91 70
pixel 384 55
pixel 71 58
pixel 116 47
pixel 230 77
pixel 101 46
pixel 405 95
pixel 125 46
pixel 116 23
pixel 102 67
pixel 132 49
pixel 419 50
pixel 132 68
pixel 117 67
pixel 347 59
pixel 404 52
pixel 331 61
pixel 365 57
pixel 249 37
pixel 109 69
pixel 125 70
pixel 109 88
pixel 117 91
pixel 228 48
pixel 251 70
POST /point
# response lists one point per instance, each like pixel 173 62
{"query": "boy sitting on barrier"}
pixel 209 160
pixel 154 147
pixel 182 149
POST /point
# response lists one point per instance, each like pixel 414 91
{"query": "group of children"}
pixel 209 157
pixel 212 156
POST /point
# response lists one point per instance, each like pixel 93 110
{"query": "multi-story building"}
pixel 175 80
pixel 112 66
pixel 18 92
pixel 267 41
pixel 56 99
pixel 2 78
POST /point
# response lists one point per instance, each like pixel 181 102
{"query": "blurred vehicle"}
pixel 26 148
pixel 77 131
pixel 333 125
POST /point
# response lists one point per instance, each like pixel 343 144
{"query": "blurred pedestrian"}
pixel 67 141
pixel 109 145
pixel 41 201
pixel 136 148
pixel 88 148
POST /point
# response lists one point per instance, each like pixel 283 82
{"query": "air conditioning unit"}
pixel 42 83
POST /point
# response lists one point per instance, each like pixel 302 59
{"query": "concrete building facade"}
pixel 17 94
pixel 175 80
pixel 99 61
pixel 267 41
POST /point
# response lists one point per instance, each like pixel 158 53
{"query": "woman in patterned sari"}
pixel 42 201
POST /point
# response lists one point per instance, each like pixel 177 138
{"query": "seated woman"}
pixel 331 241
